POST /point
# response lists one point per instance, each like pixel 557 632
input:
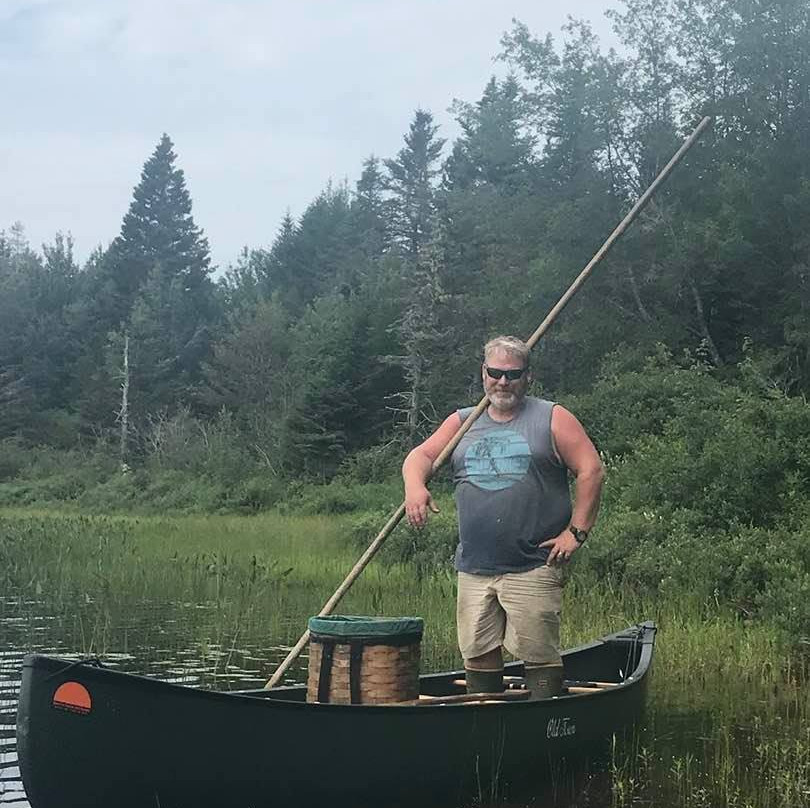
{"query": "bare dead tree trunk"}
pixel 645 315
pixel 703 326
pixel 124 413
pixel 415 404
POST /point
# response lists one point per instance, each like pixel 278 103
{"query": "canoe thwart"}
pixel 464 698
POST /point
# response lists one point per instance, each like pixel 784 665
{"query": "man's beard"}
pixel 503 399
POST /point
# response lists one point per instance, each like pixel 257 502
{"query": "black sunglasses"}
pixel 512 375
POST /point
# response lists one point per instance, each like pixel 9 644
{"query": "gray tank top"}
pixel 511 491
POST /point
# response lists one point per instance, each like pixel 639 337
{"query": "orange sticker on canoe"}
pixel 74 697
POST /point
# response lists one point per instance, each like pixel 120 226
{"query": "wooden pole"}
pixel 395 517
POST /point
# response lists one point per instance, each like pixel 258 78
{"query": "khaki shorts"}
pixel 519 610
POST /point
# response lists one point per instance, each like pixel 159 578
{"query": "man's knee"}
pixel 490 661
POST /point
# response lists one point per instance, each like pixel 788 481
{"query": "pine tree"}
pixel 309 257
pixel 493 149
pixel 37 349
pixel 158 230
pixel 369 225
pixel 153 284
pixel 411 184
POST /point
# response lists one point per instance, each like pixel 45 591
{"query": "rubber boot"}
pixel 544 681
pixel 484 681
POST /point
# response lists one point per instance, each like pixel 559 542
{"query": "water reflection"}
pixel 698 733
pixel 175 642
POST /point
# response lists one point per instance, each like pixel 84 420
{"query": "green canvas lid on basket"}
pixel 335 625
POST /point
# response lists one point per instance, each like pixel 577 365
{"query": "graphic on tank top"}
pixel 498 460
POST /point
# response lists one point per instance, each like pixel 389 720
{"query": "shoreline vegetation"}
pixel 706 498
pixel 234 441
pixel 728 720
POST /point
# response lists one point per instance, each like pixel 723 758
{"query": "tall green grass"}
pixel 729 698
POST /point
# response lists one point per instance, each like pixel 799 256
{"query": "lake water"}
pixel 727 721
pixel 152 639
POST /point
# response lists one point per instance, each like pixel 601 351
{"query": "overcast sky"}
pixel 264 100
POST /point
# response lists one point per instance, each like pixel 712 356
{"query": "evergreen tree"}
pixel 249 373
pixel 333 368
pixel 411 184
pixel 494 148
pixel 158 230
pixel 153 283
pixel 428 341
pixel 278 267
pixel 308 258
pixel 370 231
pixel 169 341
pixel 37 350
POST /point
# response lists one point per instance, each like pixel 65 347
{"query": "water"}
pixel 727 725
pixel 175 642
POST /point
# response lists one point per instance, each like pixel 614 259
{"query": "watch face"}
pixel 579 535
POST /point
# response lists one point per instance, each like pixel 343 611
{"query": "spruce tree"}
pixel 159 230
pixel 369 225
pixel 411 184
pixel 153 284
pixel 494 148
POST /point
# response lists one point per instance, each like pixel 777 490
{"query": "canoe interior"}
pixel 618 659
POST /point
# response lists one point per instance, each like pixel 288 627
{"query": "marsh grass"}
pixel 728 705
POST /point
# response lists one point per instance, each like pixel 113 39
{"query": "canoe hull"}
pixel 143 742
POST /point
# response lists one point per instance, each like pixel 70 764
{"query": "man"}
pixel 517 524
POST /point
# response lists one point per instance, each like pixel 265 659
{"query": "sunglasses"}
pixel 511 375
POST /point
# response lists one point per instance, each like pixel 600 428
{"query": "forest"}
pixel 144 377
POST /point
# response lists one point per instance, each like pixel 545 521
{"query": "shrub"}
pixel 339 497
pixel 374 464
pixel 214 449
pixel 256 494
pixel 430 549
pixel 13 459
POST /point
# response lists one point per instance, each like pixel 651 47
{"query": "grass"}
pixel 728 719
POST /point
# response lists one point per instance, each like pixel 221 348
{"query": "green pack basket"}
pixel 364 660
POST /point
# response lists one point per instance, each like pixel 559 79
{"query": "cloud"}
pixel 265 99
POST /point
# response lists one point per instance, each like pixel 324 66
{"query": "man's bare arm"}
pixel 417 467
pixel 579 454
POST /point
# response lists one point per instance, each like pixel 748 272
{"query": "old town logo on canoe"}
pixel 74 697
pixel 560 727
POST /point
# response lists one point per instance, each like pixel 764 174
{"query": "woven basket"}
pixel 364 664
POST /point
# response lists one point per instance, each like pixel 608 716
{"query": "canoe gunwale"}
pixel 644 636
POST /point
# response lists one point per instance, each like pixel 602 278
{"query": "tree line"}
pixel 360 325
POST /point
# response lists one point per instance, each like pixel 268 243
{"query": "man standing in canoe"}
pixel 517 523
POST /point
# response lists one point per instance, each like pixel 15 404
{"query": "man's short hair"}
pixel 509 345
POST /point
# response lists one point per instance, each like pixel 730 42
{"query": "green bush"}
pixel 256 494
pixel 374 464
pixel 214 449
pixel 338 497
pixel 174 491
pixel 430 549
pixel 118 492
pixel 13 459
pixel 732 455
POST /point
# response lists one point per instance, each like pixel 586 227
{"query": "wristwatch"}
pixel 579 535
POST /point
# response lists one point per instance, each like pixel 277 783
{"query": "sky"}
pixel 266 101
